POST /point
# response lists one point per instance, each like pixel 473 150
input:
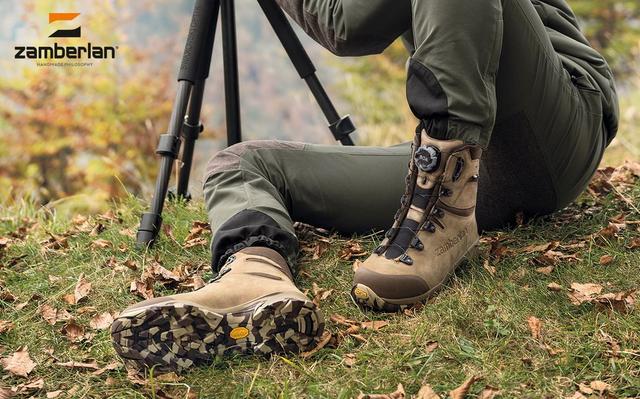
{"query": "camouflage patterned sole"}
pixel 175 336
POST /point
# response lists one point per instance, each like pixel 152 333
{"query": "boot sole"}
pixel 177 336
pixel 366 297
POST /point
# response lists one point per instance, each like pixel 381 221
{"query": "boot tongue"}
pixel 429 160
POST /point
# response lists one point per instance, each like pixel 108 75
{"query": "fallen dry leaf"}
pixel 101 321
pixel 580 293
pixel 374 325
pixel 339 319
pixel 599 386
pixel 55 243
pixel 586 389
pixel 352 249
pixel 554 287
pixel 349 359
pixel 426 392
pixel 28 386
pixel 611 231
pixel 52 315
pixel 100 244
pixel 157 272
pixel 634 244
pixel 320 294
pixel 324 340
pixel 486 266
pixel 80 365
pixel 142 288
pixel 619 301
pixel 462 390
pixel 108 367
pixel 431 346
pixel 198 235
pixel 74 332
pixel 489 392
pixel 48 313
pixel 605 260
pixel 19 363
pixel 6 326
pixel 614 346
pixel 82 289
pixel 540 247
pixel 321 246
pixel 545 270
pixel 6 393
pixel 535 327
pixel 552 258
pixel 398 394
pixel 54 394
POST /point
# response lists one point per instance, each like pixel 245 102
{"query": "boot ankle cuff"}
pixel 261 242
pixel 271 255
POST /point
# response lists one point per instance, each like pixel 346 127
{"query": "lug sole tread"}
pixel 176 336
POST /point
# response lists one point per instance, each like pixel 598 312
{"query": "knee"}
pixel 243 155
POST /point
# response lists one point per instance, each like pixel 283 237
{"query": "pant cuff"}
pixel 447 129
pixel 250 228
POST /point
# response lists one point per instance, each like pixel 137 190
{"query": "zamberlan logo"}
pixel 64 16
pixel 61 52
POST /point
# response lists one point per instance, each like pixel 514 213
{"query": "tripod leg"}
pixel 340 127
pixel 168 148
pixel 193 71
pixel 191 129
pixel 231 81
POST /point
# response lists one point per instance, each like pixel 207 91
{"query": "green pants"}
pixel 484 72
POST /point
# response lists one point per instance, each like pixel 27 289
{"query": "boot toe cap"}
pixel 391 286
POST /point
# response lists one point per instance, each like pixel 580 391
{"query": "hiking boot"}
pixel 434 229
pixel 251 307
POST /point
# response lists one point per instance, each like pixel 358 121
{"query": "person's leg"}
pixel 255 190
pixel 351 27
pixel 545 123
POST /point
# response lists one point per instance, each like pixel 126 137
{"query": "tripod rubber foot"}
pixel 148 230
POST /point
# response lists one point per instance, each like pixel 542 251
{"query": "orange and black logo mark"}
pixel 64 16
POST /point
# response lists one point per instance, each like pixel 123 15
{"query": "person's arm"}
pixel 351 27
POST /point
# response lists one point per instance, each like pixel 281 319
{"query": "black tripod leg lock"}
pixel 190 131
pixel 342 128
pixel 149 228
pixel 169 145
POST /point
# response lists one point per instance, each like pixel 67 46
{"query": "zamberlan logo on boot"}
pixel 83 53
pixel 451 242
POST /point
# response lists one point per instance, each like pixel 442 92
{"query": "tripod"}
pixel 185 125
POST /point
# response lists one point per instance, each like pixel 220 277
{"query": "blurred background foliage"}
pixel 77 137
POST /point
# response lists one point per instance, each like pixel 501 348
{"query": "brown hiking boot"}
pixel 251 307
pixel 433 231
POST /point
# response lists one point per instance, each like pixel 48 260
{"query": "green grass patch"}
pixel 479 322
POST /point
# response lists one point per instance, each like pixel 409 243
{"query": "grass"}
pixel 479 322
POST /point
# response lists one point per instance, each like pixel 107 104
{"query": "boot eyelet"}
pixel 417 244
pixel 430 227
pixel 445 192
pixel 406 259
pixel 438 212
pixel 379 250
